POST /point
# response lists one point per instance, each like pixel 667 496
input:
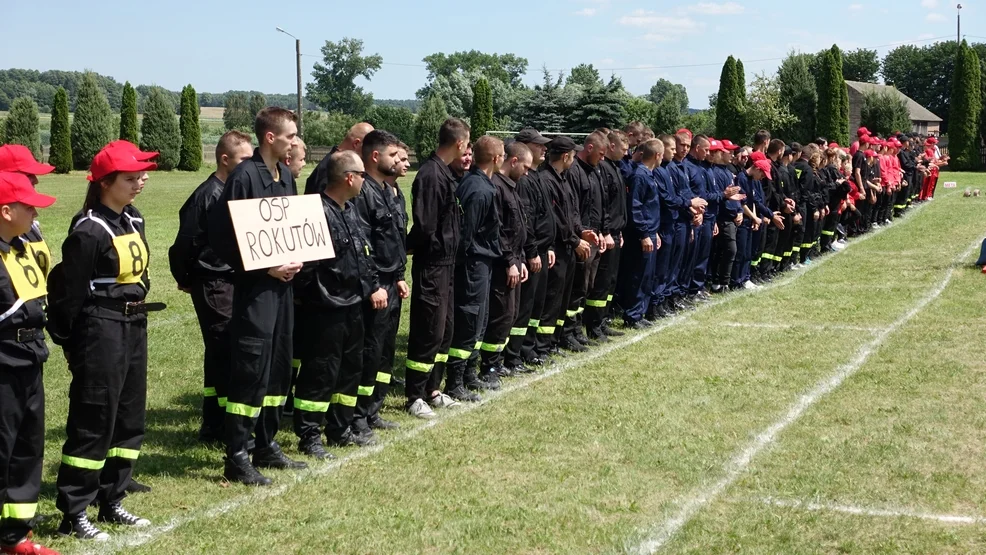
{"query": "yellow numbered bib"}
pixel 42 255
pixel 132 252
pixel 25 275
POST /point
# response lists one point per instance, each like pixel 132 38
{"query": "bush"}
pixel 482 108
pixel 426 126
pixel 236 114
pixel 60 153
pixel 327 129
pixel 92 124
pixel 128 114
pixel 22 125
pixel 257 103
pixel 396 119
pixel 159 130
pixel 884 112
pixel 190 158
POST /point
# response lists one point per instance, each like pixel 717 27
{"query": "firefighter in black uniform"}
pixel 22 354
pixel 332 292
pixel 540 234
pixel 381 211
pixel 434 241
pixel 17 158
pixel 352 141
pixel 98 315
pixel 509 269
pixel 571 242
pixel 209 280
pixel 262 319
pixel 604 285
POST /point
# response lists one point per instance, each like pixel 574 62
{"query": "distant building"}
pixel 922 120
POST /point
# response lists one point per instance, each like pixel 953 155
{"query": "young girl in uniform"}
pixel 98 315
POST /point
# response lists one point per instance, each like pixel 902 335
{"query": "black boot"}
pixel 237 468
pixel 273 457
pixel 470 379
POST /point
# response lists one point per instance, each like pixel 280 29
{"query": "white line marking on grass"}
pixel 810 327
pixel 119 542
pixel 864 511
pixel 735 467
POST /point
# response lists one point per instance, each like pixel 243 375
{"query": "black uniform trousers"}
pixel 213 302
pixel 702 254
pixel 260 331
pixel 797 238
pixel 785 242
pixel 744 255
pixel 721 265
pixel 560 280
pixel 503 305
pixel 107 402
pixel 810 225
pixel 330 373
pixel 585 275
pixel 828 229
pixel 430 332
pixel 22 443
pixel 523 335
pixel 472 304
pixel 600 291
pixel 379 346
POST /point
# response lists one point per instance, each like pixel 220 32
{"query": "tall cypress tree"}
pixel 190 158
pixel 729 103
pixel 482 108
pixel 60 155
pixel 92 125
pixel 965 107
pixel 829 98
pixel 159 130
pixel 840 133
pixel 128 114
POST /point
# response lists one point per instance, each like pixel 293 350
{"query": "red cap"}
pixel 715 144
pixel 728 145
pixel 763 166
pixel 18 158
pixel 118 157
pixel 139 154
pixel 862 132
pixel 870 153
pixel 834 145
pixel 931 141
pixel 865 139
pixel 16 187
pixel 757 156
pixel 684 131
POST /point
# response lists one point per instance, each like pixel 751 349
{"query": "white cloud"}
pixel 934 17
pixel 586 12
pixel 669 26
pixel 930 4
pixel 713 8
pixel 855 7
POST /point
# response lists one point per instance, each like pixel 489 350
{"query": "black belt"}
pixel 128 308
pixel 23 335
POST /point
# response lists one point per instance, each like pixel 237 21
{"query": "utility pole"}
pixel 297 50
pixel 958 24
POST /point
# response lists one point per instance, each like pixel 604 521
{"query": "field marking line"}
pixel 809 327
pixel 138 538
pixel 866 511
pixel 735 467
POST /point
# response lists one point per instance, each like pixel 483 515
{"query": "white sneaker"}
pixel 420 409
pixel 838 246
pixel 887 222
pixel 750 285
pixel 443 401
pixel 875 225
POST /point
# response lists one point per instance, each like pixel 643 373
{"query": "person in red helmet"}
pixel 22 355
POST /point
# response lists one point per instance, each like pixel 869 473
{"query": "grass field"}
pixel 841 409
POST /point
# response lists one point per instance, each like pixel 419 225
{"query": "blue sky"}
pixel 233 45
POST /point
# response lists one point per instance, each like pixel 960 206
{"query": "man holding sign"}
pixel 263 302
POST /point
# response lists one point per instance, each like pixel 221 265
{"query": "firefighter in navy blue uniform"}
pixel 434 242
pixel 22 355
pixel 18 158
pixel 540 234
pixel 380 207
pixel 98 315
pixel 604 286
pixel 199 271
pixel 262 321
pixel 756 215
pixel 509 269
pixel 683 237
pixel 478 248
pixel 570 242
pixel 642 241
pixel 333 291
pixel 730 216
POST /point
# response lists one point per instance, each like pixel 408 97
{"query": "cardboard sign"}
pixel 279 230
pixel 950 185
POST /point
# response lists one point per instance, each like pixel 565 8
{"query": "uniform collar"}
pixel 265 176
pixel 107 213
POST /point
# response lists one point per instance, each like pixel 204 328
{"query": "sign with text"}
pixel 279 230
pixel 950 185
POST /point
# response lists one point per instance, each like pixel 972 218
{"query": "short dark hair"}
pixel 698 138
pixel 761 137
pixel 650 148
pixel 775 146
pixel 485 147
pixel 796 149
pixel 340 162
pixel 453 131
pixel 517 149
pixel 229 141
pixel 376 140
pixel 270 119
